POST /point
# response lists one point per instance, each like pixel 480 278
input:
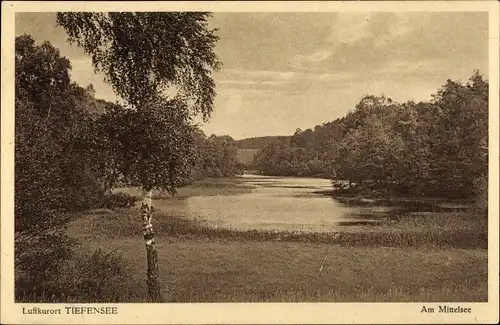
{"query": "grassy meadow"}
pixel 428 256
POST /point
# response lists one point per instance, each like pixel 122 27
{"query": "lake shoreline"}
pixel 364 198
pixel 381 222
pixel 418 229
pixel 204 264
pixel 201 261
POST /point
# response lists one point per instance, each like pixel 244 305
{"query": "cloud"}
pixel 287 70
pixel 233 103
pixel 316 56
pixel 407 66
pixel 237 82
pixel 256 74
pixel 267 83
pixel 243 83
pixel 351 27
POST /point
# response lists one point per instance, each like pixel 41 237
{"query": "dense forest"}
pixel 434 148
pixel 258 142
pixel 216 156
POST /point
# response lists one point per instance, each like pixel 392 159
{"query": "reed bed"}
pixel 409 257
pixel 458 230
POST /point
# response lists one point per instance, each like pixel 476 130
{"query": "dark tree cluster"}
pixel 71 149
pixel 53 175
pixel 258 142
pixel 435 148
pixel 216 156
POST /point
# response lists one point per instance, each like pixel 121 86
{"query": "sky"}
pixel 283 71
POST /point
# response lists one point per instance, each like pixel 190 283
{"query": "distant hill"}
pixel 247 148
pixel 258 142
pixel 246 155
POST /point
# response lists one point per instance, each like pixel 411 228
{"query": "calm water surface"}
pixel 274 203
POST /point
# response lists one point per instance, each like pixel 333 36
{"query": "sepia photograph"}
pixel 178 157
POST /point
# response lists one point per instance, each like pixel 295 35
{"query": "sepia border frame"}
pixel 244 313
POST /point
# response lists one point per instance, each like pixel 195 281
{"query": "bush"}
pixel 89 278
pixel 37 259
pixel 56 166
pixel 481 199
pixel 100 277
pixel 118 200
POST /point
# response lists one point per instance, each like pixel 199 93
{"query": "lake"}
pixel 273 203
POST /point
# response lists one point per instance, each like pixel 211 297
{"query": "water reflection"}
pixel 275 203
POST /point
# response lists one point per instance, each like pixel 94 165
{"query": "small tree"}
pixel 142 55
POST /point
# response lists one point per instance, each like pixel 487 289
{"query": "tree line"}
pixel 258 142
pixel 71 149
pixel 430 148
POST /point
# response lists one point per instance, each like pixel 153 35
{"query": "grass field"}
pixel 206 271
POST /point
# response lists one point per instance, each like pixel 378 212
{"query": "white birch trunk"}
pixel 154 290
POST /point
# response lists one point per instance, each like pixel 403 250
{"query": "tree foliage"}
pixel 153 148
pixel 53 175
pixel 434 148
pixel 216 156
pixel 146 57
pixel 144 53
pixel 71 148
pixel 258 142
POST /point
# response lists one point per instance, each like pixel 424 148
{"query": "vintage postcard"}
pixel 250 162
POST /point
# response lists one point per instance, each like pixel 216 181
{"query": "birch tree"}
pixel 143 55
